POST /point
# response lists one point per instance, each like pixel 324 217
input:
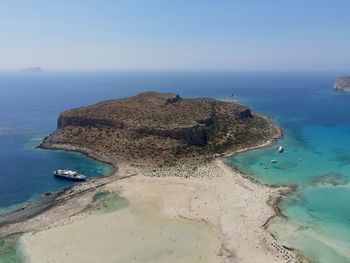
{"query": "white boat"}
pixel 69 174
pixel 280 149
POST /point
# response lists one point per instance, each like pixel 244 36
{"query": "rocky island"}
pixel 342 84
pixel 160 128
pixel 171 196
pixel 33 70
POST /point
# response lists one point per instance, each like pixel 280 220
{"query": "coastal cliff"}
pixel 160 127
pixel 342 84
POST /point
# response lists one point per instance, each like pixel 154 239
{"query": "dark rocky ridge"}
pixel 160 127
pixel 342 84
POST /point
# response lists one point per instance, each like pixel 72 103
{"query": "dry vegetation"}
pixel 161 128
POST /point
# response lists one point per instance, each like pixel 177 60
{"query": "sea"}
pixel 315 119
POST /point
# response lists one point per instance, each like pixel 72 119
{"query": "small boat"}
pixel 69 174
pixel 280 149
pixel 273 161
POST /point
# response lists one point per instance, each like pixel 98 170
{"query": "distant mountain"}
pixel 33 70
pixel 342 84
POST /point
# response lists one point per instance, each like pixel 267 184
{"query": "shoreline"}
pixel 120 172
pixel 232 220
pixel 70 148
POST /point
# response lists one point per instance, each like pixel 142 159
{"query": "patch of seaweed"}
pixel 107 202
pixel 331 178
pixel 342 156
pixel 9 252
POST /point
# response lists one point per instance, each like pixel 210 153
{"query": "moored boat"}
pixel 69 174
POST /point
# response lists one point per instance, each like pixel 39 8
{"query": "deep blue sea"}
pixel 316 122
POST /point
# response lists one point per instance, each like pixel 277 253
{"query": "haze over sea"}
pixel 314 118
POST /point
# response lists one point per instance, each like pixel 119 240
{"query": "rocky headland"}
pixel 160 128
pixel 342 84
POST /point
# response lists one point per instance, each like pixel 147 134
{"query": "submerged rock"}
pixel 332 178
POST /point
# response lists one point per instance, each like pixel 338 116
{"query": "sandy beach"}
pixel 217 217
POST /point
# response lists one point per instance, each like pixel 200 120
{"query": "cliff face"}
pixel 161 127
pixel 342 84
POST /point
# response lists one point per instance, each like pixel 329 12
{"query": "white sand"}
pixel 170 219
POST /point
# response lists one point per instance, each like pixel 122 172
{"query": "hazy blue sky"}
pixel 178 34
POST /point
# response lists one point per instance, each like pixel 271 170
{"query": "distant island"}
pixel 160 128
pixel 32 70
pixel 342 84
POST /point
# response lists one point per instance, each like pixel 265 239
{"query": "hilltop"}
pixel 160 128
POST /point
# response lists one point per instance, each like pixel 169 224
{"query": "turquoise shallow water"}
pixel 10 250
pixel 318 212
pixel 324 152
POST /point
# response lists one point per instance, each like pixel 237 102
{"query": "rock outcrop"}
pixel 342 84
pixel 160 127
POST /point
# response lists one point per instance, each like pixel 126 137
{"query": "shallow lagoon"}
pixel 317 160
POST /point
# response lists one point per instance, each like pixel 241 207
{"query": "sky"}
pixel 175 35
